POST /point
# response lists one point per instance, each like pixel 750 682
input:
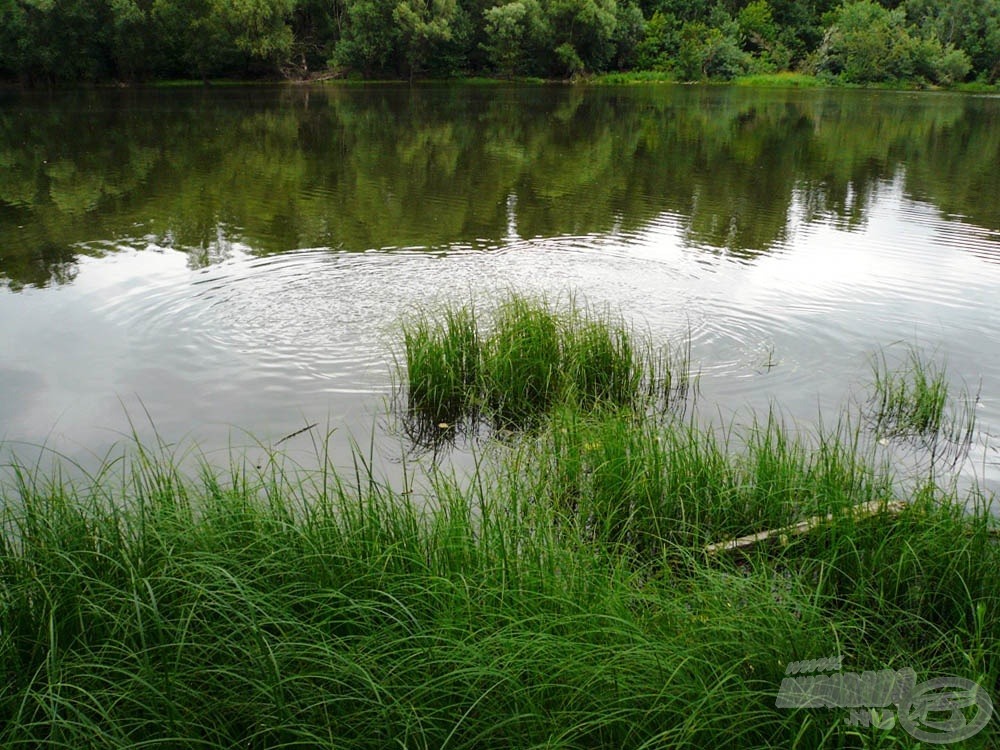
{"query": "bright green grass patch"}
pixel 522 364
pixel 780 80
pixel 442 362
pixel 636 76
pixel 196 83
pixel 977 87
pixel 641 484
pixel 485 81
pixel 528 357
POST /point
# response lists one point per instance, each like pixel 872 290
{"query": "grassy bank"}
pixel 782 80
pixel 563 596
pixel 634 76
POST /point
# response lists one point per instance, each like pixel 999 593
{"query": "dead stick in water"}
pixel 297 432
pixel 864 510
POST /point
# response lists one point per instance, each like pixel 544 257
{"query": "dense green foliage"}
pixel 563 596
pixel 856 41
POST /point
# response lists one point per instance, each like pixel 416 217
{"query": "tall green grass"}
pixel 531 355
pixel 645 486
pixel 910 401
pixel 264 608
pixel 442 362
pixel 564 595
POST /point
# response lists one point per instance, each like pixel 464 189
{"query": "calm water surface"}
pixel 237 260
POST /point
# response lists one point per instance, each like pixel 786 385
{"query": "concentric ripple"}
pixel 268 342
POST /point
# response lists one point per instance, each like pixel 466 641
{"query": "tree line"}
pixel 854 41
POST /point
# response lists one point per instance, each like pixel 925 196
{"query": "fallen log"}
pixel 865 510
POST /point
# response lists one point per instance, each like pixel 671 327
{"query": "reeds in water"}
pixel 529 357
pixel 911 402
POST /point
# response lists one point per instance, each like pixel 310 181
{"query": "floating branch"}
pixel 297 432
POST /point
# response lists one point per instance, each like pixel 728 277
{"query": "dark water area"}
pixel 228 263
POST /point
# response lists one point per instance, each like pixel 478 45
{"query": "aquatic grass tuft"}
pixel 442 359
pixel 911 402
pixel 908 401
pixel 522 361
pixel 528 358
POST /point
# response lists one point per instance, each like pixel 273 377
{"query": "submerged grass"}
pixel 909 400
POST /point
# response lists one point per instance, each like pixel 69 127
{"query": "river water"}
pixel 230 265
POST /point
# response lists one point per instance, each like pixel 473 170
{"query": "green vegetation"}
pixel 855 41
pixel 443 361
pixel 566 594
pixel 562 596
pixel 780 80
pixel 530 358
pixel 645 487
pixel 911 402
pixel 636 76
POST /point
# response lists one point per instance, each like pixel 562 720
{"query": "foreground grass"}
pixel 567 595
pixel 562 598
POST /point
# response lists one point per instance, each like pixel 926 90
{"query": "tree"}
pixel 317 25
pixel 423 26
pixel 660 43
pixel 370 38
pixel 972 26
pixel 709 52
pixel 758 34
pixel 259 27
pixel 867 43
pixel 515 32
pixel 47 41
pixel 127 42
pixel 194 39
pixel 584 33
pixel 630 28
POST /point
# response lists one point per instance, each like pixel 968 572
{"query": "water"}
pixel 231 264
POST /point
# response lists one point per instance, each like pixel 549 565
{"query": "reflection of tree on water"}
pixel 434 166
